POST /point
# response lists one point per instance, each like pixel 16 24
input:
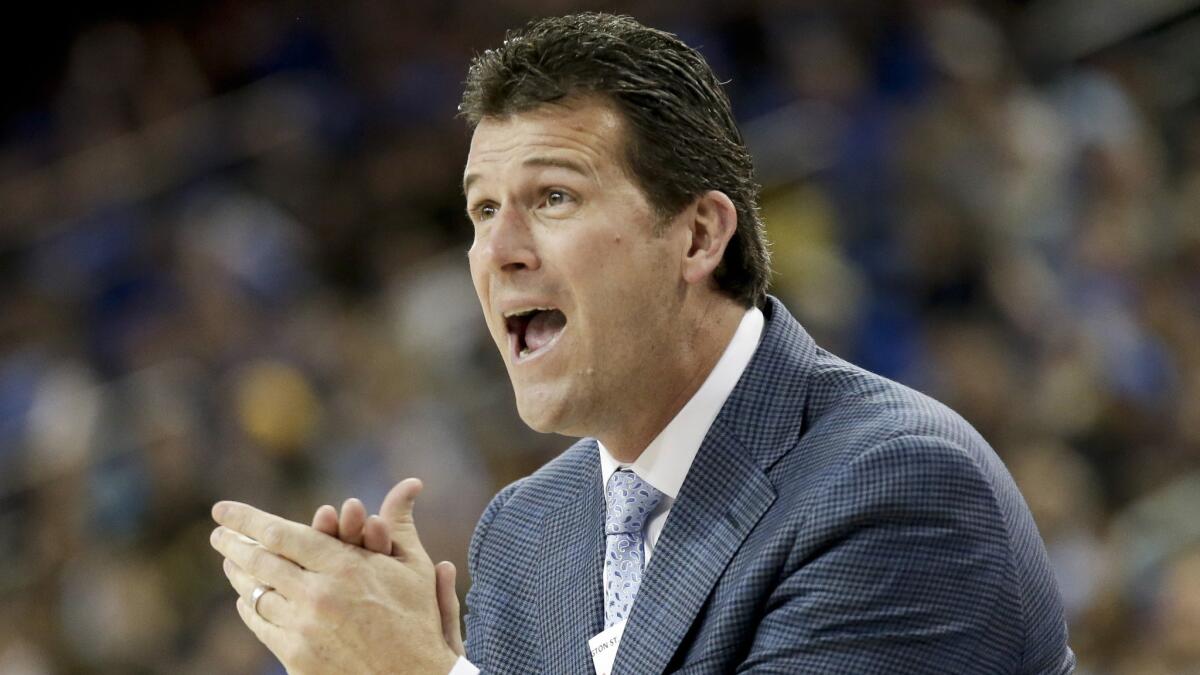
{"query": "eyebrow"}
pixel 552 162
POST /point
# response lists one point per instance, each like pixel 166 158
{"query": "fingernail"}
pixel 215 536
pixel 219 510
pixel 227 566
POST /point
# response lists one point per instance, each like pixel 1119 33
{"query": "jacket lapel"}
pixel 725 493
pixel 571 571
pixel 721 500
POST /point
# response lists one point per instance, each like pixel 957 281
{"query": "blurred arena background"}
pixel 232 266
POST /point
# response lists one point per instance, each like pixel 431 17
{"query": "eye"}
pixel 556 198
pixel 485 211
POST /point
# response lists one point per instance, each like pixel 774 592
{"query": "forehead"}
pixel 587 130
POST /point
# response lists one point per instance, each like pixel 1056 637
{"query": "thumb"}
pixel 397 512
pixel 447 597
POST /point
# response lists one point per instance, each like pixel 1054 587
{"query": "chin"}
pixel 538 424
pixel 543 412
pixel 538 415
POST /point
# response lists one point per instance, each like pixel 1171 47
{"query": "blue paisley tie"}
pixel 630 501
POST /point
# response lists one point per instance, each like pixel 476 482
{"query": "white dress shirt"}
pixel 666 461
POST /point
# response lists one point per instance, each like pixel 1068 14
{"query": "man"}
pixel 741 500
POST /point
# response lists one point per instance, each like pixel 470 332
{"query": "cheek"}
pixel 479 279
pixel 478 275
pixel 603 278
pixel 625 287
pixel 616 258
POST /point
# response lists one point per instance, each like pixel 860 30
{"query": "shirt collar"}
pixel 665 462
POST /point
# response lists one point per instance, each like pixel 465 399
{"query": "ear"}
pixel 710 229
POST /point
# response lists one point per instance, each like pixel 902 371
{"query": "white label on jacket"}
pixel 603 648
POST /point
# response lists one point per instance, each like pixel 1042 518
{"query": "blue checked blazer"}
pixel 833 522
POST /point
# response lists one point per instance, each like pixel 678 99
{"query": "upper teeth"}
pixel 523 312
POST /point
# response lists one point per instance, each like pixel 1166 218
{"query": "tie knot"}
pixel 630 501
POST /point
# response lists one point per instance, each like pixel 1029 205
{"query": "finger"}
pixel 259 562
pixel 296 542
pixel 447 597
pixel 350 526
pixel 397 512
pixel 376 536
pixel 326 520
pixel 272 606
pixel 267 633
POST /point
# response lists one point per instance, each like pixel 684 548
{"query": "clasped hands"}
pixel 351 594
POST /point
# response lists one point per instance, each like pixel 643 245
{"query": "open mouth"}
pixel 533 331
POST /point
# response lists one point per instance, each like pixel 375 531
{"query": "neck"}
pixel 708 336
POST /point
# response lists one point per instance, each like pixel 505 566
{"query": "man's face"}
pixel 577 288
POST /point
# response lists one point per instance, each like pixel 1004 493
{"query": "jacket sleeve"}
pixel 904 564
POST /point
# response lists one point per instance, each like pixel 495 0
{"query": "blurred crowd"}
pixel 232 266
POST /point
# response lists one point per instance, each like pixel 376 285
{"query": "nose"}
pixel 508 244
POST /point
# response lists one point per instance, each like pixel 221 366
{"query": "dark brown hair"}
pixel 683 138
